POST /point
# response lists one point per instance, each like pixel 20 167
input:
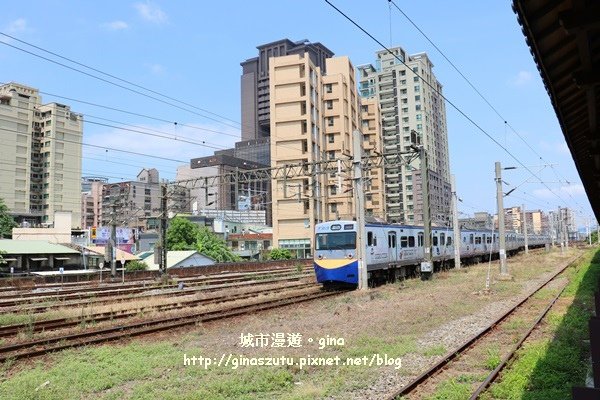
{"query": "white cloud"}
pixel 156 69
pixel 522 78
pixel 151 12
pixel 115 25
pixel 556 147
pixel 573 190
pixel 17 26
pixel 181 149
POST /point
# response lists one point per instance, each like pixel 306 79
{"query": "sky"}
pixel 188 53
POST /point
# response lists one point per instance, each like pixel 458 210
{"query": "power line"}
pixel 435 90
pixel 506 123
pixel 106 148
pixel 164 135
pixel 117 78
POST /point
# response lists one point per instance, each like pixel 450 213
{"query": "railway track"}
pixel 61 323
pixel 149 292
pixel 31 298
pixel 43 346
pixel 425 382
pixel 58 290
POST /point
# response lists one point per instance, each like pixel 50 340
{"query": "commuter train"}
pixel 395 251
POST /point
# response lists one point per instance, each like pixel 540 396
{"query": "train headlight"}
pixel 349 255
pixel 320 257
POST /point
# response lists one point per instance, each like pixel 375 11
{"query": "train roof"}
pixel 402 226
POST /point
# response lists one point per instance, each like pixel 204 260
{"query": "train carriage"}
pixel 394 251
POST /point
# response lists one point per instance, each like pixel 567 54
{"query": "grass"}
pixel 492 359
pixel 546 369
pixel 452 390
pixel 435 351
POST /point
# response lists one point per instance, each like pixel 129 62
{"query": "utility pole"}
pixel 163 229
pixel 566 227
pixel 525 229
pixel 109 256
pixel 426 264
pixel 561 233
pixel 589 232
pixel 359 202
pixel 501 228
pixel 455 222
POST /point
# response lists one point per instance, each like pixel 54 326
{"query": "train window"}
pixel 442 239
pixel 464 239
pixel 336 227
pixel 471 238
pixel 449 241
pixel 420 239
pixel 411 241
pixel 478 240
pixel 348 227
pixel 336 241
pixel 369 238
pixel 434 240
pixel 403 241
pixel 392 240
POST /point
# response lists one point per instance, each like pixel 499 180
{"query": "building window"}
pixel 328 88
pixel 416 79
pixel 304 127
pixel 417 98
pixel 329 121
pixel 417 88
pixel 333 207
pixel 419 117
pixel 329 104
pixel 330 138
pixel 303 108
pixel 418 107
pixel 333 190
pixel 331 154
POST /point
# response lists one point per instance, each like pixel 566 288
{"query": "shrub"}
pixel 280 254
pixel 136 265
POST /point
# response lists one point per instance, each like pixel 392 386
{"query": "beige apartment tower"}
pixel 313 117
pixel 41 156
pixel 412 113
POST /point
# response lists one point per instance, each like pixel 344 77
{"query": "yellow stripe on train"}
pixel 334 263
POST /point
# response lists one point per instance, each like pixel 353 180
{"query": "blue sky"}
pixel 191 51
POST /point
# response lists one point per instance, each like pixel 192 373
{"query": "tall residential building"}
pixel 370 127
pixel 313 117
pixel 137 204
pixel 255 88
pixel 40 149
pixel 412 112
pixel 91 201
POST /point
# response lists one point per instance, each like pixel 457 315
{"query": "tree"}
pixel 136 265
pixel 185 235
pixel 280 254
pixel 2 252
pixel 6 221
pixel 211 246
pixel 182 234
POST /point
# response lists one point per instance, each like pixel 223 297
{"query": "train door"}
pixel 435 245
pixel 392 247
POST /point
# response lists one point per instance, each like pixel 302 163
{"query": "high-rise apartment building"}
pixel 137 204
pixel 313 117
pixel 255 88
pixel 41 154
pixel 412 113
pixel 91 200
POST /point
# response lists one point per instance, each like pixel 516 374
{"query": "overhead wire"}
pixel 435 90
pixel 113 77
pixel 506 123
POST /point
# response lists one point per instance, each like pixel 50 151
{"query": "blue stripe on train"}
pixel 348 273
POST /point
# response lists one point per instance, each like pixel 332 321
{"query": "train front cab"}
pixel 335 259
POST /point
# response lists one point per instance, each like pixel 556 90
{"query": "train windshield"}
pixel 336 241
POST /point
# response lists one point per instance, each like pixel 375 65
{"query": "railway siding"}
pixel 404 320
